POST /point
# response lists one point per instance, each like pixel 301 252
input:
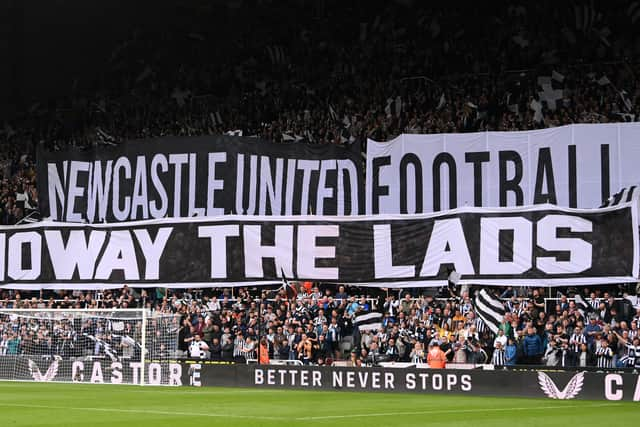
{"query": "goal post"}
pixel 118 346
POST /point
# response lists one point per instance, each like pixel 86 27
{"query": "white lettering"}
pixel 155 374
pixel 309 251
pixel 214 184
pixel 96 374
pixel 175 374
pixel 613 387
pixel 383 255
pixel 177 160
pixel 74 191
pixel 152 250
pixel 447 245
pixel 116 373
pixel 120 214
pixel 218 237
pixel 490 229
pixel 281 252
pixel 159 212
pixel 579 250
pixel 16 261
pixel 120 254
pixel 140 195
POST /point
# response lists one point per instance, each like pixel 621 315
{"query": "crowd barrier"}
pixel 501 383
pixel 526 383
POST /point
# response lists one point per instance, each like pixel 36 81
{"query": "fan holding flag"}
pixel 490 309
pixel 289 290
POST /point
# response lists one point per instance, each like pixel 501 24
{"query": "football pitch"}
pixel 29 404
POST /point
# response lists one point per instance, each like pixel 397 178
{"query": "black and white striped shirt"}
pixel 576 341
pixel 633 355
pixel 594 303
pixel 498 358
pixel 238 345
pixel 604 357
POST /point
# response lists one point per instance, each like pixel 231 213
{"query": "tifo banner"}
pixel 542 245
pixel 573 166
pixel 203 176
pixel 552 385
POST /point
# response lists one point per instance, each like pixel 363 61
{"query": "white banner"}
pixel 572 166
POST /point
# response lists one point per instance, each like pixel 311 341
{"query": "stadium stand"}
pixel 336 73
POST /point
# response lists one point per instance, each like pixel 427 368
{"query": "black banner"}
pixel 541 245
pixel 201 176
pixel 95 371
pixel 535 384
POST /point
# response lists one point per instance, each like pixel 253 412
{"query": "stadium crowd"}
pixel 334 72
pixel 318 326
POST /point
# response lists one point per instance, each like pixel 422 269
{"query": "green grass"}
pixel 30 404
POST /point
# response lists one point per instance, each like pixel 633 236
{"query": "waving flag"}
pixel 490 309
pixel 289 290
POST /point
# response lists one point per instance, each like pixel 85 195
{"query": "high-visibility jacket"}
pixel 436 358
pixel 264 355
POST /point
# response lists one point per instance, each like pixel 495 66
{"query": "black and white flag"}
pixel 490 309
pixel 290 291
pixel 368 321
pixel 625 195
pixel 104 137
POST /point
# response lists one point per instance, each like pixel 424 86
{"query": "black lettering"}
pixel 477 158
pixel 410 159
pixel 573 178
pixel 632 189
pixel 512 184
pixel 453 184
pixel 377 189
pixel 604 172
pixel 505 245
pixel 545 171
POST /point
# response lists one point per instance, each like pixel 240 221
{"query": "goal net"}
pixel 130 346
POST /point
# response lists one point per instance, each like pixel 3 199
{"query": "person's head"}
pixel 498 345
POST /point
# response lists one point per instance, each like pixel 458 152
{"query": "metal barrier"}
pixel 287 362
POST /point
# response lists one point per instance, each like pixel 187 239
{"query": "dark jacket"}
pixel 532 345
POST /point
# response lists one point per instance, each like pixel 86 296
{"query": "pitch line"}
pixel 143 412
pixel 318 418
pixel 448 411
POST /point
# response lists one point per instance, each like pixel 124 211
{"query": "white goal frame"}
pixel 141 315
